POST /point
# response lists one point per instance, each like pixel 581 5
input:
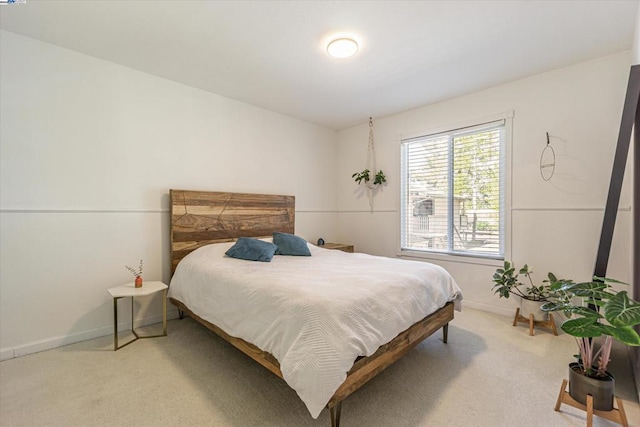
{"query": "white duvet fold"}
pixel 314 314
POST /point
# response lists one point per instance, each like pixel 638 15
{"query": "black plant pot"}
pixel 600 388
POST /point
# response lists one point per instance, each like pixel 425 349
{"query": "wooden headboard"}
pixel 200 218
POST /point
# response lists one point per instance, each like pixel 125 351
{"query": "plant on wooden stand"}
pixel 506 283
pixel 601 313
pixel 137 273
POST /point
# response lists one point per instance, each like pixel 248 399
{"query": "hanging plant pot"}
pixel 600 388
pixel 370 176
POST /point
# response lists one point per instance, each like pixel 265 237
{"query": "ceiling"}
pixel 272 54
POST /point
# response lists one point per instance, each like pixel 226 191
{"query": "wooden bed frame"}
pixel 199 218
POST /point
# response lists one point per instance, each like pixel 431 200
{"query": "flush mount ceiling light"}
pixel 343 47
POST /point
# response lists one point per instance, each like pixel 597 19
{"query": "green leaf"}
pixel 554 306
pixel 585 311
pixel 608 280
pixel 586 287
pixel 583 327
pixel 595 295
pixel 622 311
pixel 566 285
pixel 626 334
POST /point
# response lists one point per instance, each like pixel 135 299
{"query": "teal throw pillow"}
pixel 252 250
pixel 290 244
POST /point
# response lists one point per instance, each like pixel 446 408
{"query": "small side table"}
pixel 338 246
pixel 129 290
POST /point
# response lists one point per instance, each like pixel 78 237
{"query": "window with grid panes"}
pixel 453 191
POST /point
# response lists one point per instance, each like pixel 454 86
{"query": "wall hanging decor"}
pixel 364 177
pixel 547 161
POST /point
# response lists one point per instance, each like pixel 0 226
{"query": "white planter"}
pixel 528 306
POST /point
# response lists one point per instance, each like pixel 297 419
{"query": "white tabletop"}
pixel 130 290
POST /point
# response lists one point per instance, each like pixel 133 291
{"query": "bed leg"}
pixel 335 415
pixel 445 333
pixel 180 314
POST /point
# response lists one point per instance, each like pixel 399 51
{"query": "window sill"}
pixel 449 257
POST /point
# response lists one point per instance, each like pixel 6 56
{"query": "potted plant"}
pixel 364 177
pixel 601 315
pixel 531 296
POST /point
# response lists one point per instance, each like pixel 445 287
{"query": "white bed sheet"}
pixel 314 314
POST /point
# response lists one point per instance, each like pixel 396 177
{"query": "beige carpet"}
pixel 489 374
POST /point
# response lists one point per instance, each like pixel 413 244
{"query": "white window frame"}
pixel 471 258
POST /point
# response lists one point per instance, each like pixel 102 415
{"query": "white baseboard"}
pixel 6 353
pixel 61 341
pixel 509 312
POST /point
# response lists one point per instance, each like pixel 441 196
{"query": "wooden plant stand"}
pixel 617 415
pixel 544 323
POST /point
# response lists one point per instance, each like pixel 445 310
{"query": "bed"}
pixel 321 322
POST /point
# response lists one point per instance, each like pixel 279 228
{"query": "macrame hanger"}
pixel 371 151
pixel 371 163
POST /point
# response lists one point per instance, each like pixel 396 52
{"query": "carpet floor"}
pixel 488 374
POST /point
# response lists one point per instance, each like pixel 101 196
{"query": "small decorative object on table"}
pixel 320 241
pixel 137 273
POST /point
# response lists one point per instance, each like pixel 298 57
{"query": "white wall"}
pixel 555 225
pixel 88 152
pixel 89 149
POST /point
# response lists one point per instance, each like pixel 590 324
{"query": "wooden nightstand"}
pixel 129 290
pixel 338 246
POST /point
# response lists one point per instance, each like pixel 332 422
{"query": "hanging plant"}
pixel 380 178
pixel 365 175
pixel 361 176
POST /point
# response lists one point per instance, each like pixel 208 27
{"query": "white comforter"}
pixel 314 314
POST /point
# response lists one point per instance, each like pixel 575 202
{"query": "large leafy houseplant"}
pixel 601 313
pixel 506 282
